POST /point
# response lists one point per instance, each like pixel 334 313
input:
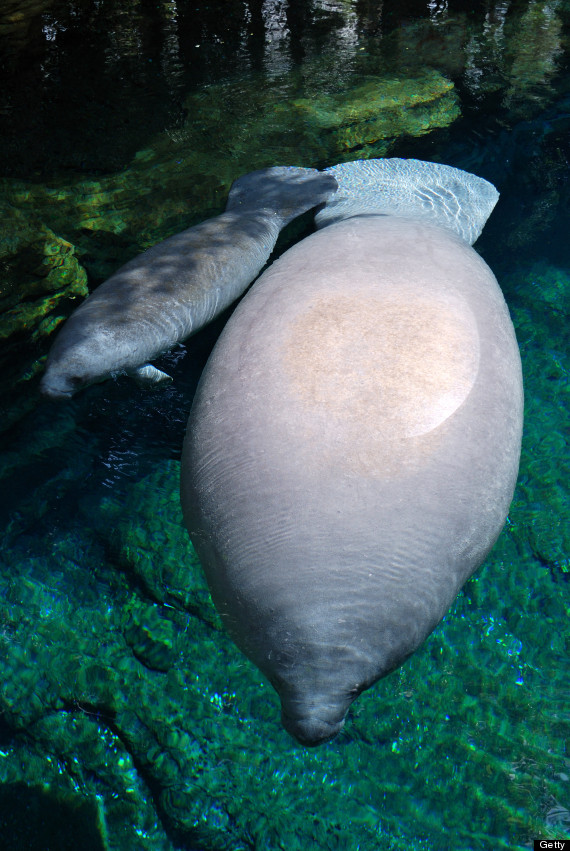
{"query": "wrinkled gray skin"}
pixel 176 287
pixel 351 455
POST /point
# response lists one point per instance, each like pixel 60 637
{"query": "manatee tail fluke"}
pixel 288 191
pixel 447 196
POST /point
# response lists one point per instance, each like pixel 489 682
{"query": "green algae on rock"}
pixel 152 637
pixel 67 671
pixel 149 523
pixel 324 123
pixel 373 96
pixel 54 276
pixel 380 108
pixel 40 272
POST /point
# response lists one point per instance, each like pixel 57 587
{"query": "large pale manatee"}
pixel 353 446
pixel 179 285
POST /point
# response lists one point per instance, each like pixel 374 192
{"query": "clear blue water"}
pixel 125 711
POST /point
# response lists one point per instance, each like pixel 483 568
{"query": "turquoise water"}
pixel 128 718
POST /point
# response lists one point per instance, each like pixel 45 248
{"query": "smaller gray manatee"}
pixel 172 290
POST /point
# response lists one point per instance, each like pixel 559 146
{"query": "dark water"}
pixel 127 718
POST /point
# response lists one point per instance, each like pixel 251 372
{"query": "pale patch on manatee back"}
pixel 392 366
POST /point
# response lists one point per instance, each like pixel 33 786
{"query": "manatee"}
pixel 354 442
pixel 176 287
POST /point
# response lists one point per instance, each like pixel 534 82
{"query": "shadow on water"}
pixel 34 819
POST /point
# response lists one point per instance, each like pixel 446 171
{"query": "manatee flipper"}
pixel 149 377
pixel 446 196
pixel 286 191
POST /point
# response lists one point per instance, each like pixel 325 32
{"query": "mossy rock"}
pixel 369 99
pixel 152 636
pixel 393 123
pixel 36 279
pixel 147 536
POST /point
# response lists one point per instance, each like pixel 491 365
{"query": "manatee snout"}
pixel 63 377
pixel 58 385
pixel 75 362
pixel 313 719
pixel 313 729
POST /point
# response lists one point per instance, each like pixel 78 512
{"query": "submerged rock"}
pixel 40 271
pixel 148 524
pixel 372 114
pixel 390 98
pixel 36 278
pixel 152 637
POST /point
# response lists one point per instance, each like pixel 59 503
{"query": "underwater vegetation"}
pixel 37 277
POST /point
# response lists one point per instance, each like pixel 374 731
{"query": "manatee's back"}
pixel 353 446
pixel 351 455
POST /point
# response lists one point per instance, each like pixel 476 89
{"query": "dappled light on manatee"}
pixel 178 286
